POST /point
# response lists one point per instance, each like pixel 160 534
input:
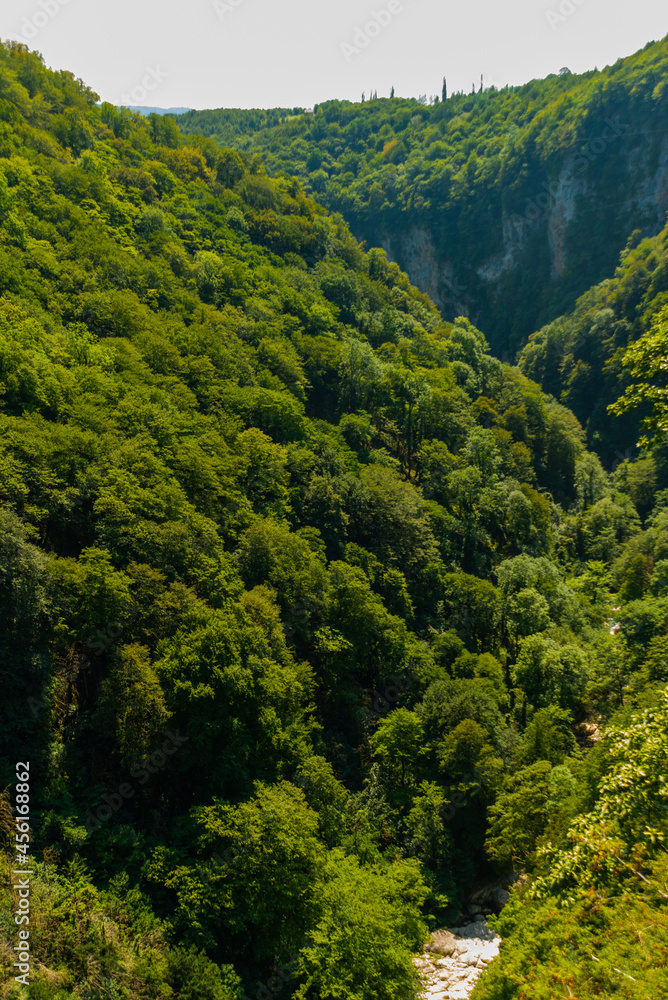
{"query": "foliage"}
pixel 306 598
pixel 589 357
pixel 600 886
pixel 646 361
pixel 486 181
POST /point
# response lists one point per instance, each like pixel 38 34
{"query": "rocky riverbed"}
pixel 454 959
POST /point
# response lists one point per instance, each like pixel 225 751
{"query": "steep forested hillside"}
pixel 311 609
pixel 504 204
pixel 579 357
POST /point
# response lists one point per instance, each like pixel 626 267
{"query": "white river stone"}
pixel 455 958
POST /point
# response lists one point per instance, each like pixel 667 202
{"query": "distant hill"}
pixel 159 111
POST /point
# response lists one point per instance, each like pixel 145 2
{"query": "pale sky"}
pixel 296 53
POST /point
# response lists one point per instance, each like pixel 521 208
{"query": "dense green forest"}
pixel 317 618
pixel 507 204
pixel 579 358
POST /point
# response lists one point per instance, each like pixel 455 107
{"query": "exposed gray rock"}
pixel 543 216
pixel 441 943
pixel 493 896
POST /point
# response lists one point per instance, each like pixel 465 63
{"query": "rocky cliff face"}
pixel 567 236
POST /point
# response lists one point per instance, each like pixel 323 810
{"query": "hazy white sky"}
pixel 268 53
